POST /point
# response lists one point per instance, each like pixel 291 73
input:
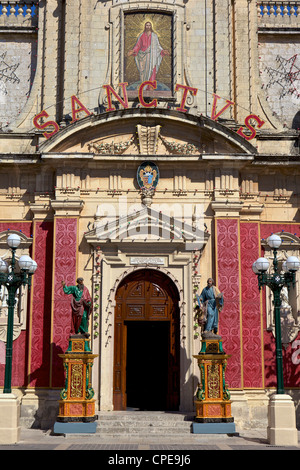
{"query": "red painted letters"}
pixel 75 101
pixel 153 103
pixel 215 116
pixel 110 90
pixel 184 96
pixel 45 124
pixel 78 107
pixel 251 128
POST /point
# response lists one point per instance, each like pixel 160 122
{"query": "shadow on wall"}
pixel 43 413
pixel 189 387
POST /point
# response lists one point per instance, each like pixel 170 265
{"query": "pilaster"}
pixel 72 51
pixel 40 312
pixel 49 56
pixel 65 250
pixel 228 279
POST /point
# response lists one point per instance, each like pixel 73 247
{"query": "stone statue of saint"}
pixel 81 305
pixel 211 301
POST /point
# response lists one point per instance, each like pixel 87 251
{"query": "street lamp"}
pixel 276 281
pixel 13 278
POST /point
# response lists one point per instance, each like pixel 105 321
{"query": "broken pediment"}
pixel 25 242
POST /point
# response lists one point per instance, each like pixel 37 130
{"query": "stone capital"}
pixel 67 208
pixel 227 208
pixel 40 209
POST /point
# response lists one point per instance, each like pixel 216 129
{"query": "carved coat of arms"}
pixel 147 175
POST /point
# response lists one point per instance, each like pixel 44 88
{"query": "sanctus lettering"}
pixel 78 107
pixel 152 103
pixel 251 128
pixel 75 110
pixel 45 124
pixel 184 96
pixel 215 116
pixel 109 91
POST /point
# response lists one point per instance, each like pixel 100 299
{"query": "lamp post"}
pixel 276 281
pixel 13 278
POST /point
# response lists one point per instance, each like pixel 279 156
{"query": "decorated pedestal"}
pixel 212 400
pixel 77 405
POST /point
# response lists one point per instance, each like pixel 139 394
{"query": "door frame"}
pixel 120 337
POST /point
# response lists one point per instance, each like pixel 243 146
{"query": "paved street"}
pixel 33 439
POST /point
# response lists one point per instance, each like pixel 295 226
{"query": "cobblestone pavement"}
pixel 254 439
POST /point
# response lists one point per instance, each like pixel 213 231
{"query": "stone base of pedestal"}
pixel 9 418
pixel 70 409
pixel 281 428
pixel 213 404
pixel 74 428
pixel 214 428
pixel 214 409
pixel 77 403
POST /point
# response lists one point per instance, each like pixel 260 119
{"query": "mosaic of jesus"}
pixel 148 51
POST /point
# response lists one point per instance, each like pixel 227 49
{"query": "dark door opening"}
pixel 146 342
pixel 147 364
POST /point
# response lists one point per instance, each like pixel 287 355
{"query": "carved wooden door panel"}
pixel 146 296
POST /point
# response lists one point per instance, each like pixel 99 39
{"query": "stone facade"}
pixel 230 175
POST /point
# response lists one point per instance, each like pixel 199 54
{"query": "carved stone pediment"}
pixel 24 245
pixel 118 147
pixel 147 140
pixel 147 226
pixel 147 132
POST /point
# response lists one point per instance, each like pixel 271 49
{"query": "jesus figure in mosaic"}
pixel 148 53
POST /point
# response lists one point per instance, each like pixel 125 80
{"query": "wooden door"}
pixel 146 296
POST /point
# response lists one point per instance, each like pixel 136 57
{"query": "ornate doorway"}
pixel 146 345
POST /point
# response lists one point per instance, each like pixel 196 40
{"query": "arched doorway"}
pixel 146 344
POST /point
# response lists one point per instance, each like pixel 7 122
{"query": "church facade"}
pixel 146 147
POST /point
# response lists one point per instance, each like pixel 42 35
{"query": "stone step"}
pixel 144 416
pixel 143 423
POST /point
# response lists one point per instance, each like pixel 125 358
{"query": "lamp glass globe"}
pixel 25 262
pixel 13 240
pixel 284 267
pixel 274 241
pixel 254 268
pixel 262 264
pixel 33 267
pixel 293 263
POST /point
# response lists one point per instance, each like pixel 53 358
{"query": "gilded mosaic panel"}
pixel 148 51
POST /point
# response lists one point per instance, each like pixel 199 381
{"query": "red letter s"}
pixel 46 124
pixel 251 128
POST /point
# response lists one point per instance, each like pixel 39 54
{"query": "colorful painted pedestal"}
pixel 213 405
pixel 77 406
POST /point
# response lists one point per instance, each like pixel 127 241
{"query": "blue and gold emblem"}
pixel 147 175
